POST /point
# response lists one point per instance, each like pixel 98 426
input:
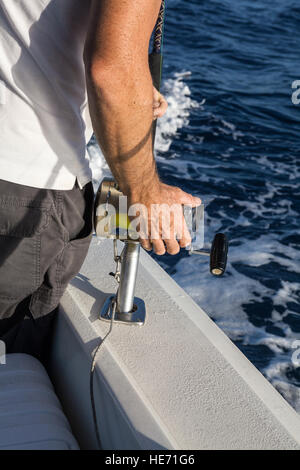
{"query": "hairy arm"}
pixel 120 93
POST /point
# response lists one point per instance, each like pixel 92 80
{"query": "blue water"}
pixel 237 146
pixel 231 137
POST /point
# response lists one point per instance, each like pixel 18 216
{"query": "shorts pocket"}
pixel 20 229
pixel 72 259
pixel 76 249
pixel 77 228
pixel 64 269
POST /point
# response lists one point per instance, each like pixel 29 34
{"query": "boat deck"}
pixel 176 383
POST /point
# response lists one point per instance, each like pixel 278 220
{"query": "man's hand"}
pixel 162 225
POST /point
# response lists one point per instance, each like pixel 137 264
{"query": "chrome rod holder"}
pixel 129 261
pixel 135 318
pixel 130 310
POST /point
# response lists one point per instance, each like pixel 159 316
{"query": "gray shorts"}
pixel 44 239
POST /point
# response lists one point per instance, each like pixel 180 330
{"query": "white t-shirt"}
pixel 44 122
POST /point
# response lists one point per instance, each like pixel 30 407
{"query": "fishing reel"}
pixel 111 221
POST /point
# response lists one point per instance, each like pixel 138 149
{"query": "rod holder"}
pixel 130 310
pixel 129 262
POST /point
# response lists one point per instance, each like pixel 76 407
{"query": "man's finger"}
pixel 156 95
pixel 159 247
pixel 160 104
pixel 146 244
pixel 161 109
pixel 172 246
pixel 185 241
pixel 188 199
pixel 185 236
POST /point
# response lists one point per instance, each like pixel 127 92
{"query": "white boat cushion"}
pixel 31 416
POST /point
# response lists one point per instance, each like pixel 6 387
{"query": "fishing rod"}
pixel 156 57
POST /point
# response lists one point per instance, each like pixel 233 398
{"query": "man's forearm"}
pixel 120 87
pixel 121 106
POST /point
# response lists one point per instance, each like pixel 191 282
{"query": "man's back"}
pixel 43 92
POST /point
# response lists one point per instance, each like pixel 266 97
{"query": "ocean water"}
pixel 231 136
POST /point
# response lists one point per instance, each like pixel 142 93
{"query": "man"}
pixel 51 53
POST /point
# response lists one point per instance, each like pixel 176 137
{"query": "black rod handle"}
pixel 218 255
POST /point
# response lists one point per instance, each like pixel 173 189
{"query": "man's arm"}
pixel 120 93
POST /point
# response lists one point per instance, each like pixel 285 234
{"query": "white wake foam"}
pixel 180 103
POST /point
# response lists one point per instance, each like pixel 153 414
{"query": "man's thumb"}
pixel 188 199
